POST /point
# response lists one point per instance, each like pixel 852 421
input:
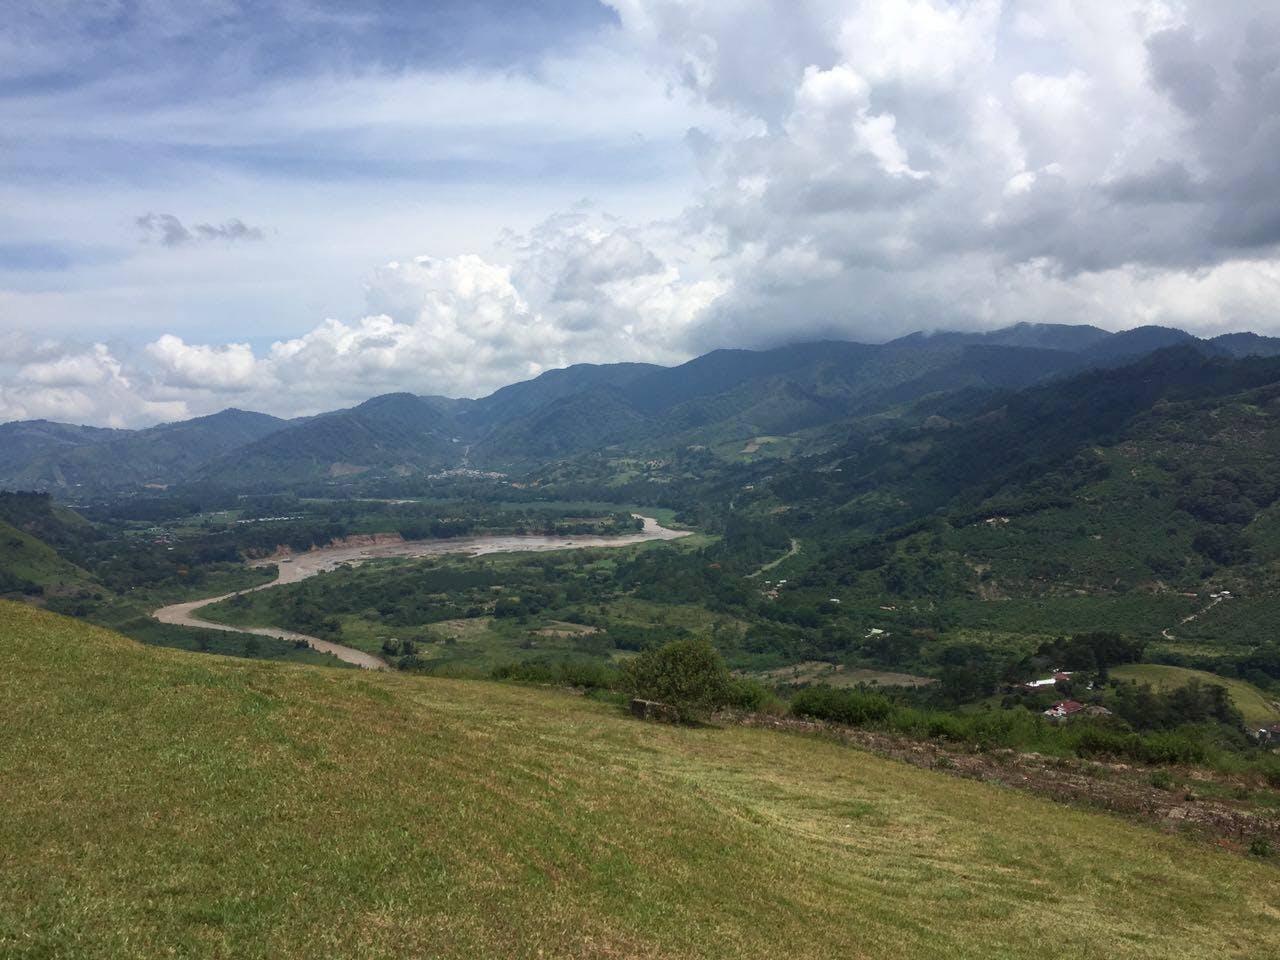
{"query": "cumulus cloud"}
pixel 864 168
pixel 169 231
pixel 227 368
pixel 580 288
pixel 70 382
pixel 937 162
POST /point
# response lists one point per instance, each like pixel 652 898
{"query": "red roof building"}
pixel 1063 708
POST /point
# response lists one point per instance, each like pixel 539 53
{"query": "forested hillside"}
pixel 801 392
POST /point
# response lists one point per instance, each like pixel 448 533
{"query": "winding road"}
pixel 304 565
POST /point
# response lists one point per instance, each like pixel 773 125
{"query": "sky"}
pixel 293 205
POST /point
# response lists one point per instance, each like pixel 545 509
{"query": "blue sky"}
pixel 295 205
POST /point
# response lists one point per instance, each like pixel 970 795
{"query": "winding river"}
pixel 322 559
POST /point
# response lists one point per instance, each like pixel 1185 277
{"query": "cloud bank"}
pixel 850 169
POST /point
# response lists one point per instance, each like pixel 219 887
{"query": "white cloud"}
pixel 74 370
pixel 783 170
pixel 228 368
pixel 930 163
pixel 920 42
pixel 581 288
pixel 82 385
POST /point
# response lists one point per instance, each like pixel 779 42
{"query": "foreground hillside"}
pixel 165 803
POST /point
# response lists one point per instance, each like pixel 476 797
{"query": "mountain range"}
pixel 799 389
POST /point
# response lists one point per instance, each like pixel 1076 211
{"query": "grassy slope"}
pixel 165 803
pixel 30 559
pixel 1255 705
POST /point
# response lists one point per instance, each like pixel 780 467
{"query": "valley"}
pixel 640 480
pixel 293 569
pixel 1014 572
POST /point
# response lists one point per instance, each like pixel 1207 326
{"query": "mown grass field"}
pixel 159 803
pixel 1254 704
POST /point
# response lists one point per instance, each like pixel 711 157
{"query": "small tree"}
pixel 687 675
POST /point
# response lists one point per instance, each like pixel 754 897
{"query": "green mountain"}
pixel 30 449
pixel 1247 345
pixel 805 391
pixel 41 455
pixel 520 399
pixel 1043 336
pixel 159 803
pixel 1154 480
pixel 580 422
pixel 396 432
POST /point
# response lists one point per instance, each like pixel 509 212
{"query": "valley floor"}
pixel 162 803
pixel 293 569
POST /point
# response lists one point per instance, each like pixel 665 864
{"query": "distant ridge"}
pixel 720 396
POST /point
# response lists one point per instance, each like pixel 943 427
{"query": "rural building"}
pixel 1063 709
pixel 1058 677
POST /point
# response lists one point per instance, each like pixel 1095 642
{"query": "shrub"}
pixel 854 707
pixel 747 694
pixel 562 673
pixel 688 675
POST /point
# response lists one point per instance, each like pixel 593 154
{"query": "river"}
pixel 303 565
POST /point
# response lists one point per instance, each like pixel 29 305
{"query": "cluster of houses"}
pixel 1063 709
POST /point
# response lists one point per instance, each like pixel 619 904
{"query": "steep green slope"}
pixel 30 566
pixel 36 539
pixel 39 516
pixel 392 432
pixel 160 803
pixel 1014 440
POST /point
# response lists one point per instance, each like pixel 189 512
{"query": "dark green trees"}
pixel 687 675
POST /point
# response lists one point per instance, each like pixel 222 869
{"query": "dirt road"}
pixel 1167 631
pixel 791 552
pixel 304 565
